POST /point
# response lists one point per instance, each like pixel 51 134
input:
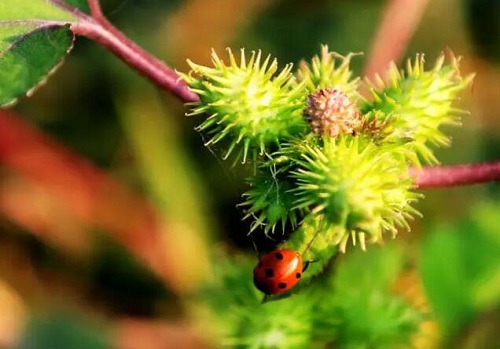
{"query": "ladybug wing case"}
pixel 278 271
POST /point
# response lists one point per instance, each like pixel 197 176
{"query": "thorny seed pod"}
pixel 331 113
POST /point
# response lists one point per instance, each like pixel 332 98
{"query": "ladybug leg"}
pixel 306 265
pixel 265 298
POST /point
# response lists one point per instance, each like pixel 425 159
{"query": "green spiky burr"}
pixel 357 189
pixel 249 103
pixel 422 101
pixel 329 70
pixel 270 202
pixel 328 163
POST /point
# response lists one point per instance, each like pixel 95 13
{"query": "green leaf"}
pixel 34 38
pixel 27 62
pixel 33 10
pixel 9 34
pixel 80 4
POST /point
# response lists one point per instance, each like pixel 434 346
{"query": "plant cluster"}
pixel 330 156
pixel 337 311
pixel 331 153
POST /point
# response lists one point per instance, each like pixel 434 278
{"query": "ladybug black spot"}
pixel 261 286
pixel 269 273
pixel 298 275
pixel 282 285
pixel 278 255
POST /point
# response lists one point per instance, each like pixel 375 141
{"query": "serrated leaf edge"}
pixel 51 72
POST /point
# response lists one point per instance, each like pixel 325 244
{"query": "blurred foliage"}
pixel 288 26
pixel 63 329
pixel 460 267
pixel 483 19
pixel 124 282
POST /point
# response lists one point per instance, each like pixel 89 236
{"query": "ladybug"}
pixel 278 271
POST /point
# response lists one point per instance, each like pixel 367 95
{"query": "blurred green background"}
pixel 100 109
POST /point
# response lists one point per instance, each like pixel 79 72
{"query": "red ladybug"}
pixel 278 271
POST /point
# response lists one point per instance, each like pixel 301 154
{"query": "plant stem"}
pixel 104 33
pixel 451 176
pixel 95 9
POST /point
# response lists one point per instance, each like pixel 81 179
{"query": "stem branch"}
pixel 95 9
pixel 450 176
pixel 104 33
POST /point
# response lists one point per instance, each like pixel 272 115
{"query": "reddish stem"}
pixel 87 193
pixel 95 9
pixel 104 33
pixel 450 176
pixel 98 17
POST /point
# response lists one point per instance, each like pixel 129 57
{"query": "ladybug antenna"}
pixel 254 245
pixel 318 229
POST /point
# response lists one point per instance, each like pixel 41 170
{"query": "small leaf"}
pixel 28 61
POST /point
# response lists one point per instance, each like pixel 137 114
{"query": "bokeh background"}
pixel 99 249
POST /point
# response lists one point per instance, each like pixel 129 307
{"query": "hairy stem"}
pixel 450 176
